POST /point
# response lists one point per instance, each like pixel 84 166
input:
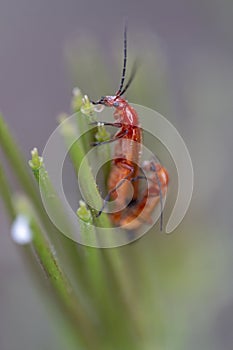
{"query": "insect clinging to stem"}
pixel 125 168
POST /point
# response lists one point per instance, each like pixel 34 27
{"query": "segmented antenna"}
pixel 131 78
pixel 124 63
pixel 122 90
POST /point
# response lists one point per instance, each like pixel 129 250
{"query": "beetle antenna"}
pixel 131 78
pixel 122 90
pixel 124 63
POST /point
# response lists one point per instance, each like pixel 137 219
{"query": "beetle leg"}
pixel 116 138
pixel 120 183
pixel 117 125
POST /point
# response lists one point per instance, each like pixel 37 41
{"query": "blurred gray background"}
pixel 186 50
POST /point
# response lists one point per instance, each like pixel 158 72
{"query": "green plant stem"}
pixel 42 178
pixel 18 163
pixel 45 254
pixel 21 170
pixel 83 325
pixel 77 156
pixel 93 268
pixel 121 281
pixel 47 190
pixel 92 256
pixel 6 194
pixel 102 284
pixel 9 202
pixel 66 249
pixel 113 263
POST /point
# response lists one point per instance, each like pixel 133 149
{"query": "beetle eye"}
pixel 116 104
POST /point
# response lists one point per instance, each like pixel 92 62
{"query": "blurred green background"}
pixel 186 73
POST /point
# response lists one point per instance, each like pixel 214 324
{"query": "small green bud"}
pixel 36 162
pixel 87 107
pixel 84 213
pixel 102 134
